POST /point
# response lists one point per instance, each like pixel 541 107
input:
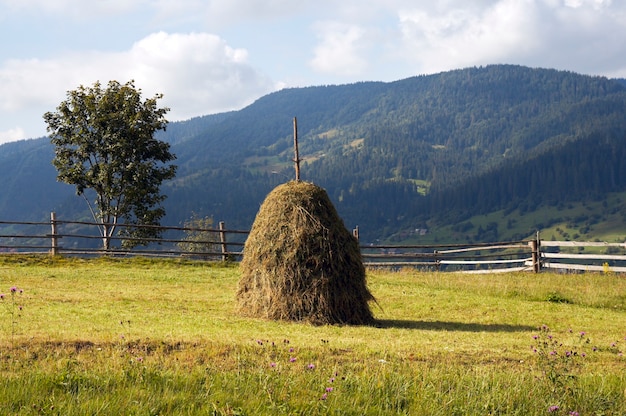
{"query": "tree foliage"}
pixel 199 240
pixel 104 142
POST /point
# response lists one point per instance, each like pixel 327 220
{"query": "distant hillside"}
pixel 28 187
pixel 419 153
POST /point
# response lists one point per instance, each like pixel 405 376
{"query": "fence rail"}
pixel 58 237
pixel 81 238
pixel 475 258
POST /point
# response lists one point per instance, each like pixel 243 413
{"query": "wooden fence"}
pixel 82 238
pixel 58 237
pixel 501 257
pixel 470 258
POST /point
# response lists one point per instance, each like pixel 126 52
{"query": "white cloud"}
pixel 596 4
pixel 218 10
pixel 198 74
pixel 11 135
pixel 32 82
pixel 340 49
pixel 467 35
pixel 74 8
pixel 216 13
pixel 564 34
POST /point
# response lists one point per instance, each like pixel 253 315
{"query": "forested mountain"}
pixel 28 187
pixel 419 153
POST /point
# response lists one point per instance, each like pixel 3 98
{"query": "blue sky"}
pixel 209 56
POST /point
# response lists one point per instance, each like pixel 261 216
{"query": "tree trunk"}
pixel 106 236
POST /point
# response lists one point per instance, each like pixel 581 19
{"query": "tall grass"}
pixel 141 336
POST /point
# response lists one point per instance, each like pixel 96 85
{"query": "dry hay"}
pixel 300 262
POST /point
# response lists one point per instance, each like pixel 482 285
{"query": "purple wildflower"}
pixel 582 333
pixel 13 289
pixel 554 408
pixel 324 396
pixel 311 366
pixel 1 296
pixel 292 360
pixel 272 365
pixel 329 389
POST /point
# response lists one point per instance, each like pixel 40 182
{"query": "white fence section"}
pixel 582 262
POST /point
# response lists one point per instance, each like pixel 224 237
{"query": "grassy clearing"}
pixel 581 221
pixel 161 337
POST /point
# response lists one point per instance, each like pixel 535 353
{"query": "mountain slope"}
pixel 29 191
pixel 422 152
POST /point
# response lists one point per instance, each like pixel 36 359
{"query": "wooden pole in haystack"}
pixel 296 159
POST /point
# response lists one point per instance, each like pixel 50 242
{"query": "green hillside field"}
pixel 601 220
pixel 147 337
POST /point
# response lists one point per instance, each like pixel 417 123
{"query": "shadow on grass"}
pixel 450 326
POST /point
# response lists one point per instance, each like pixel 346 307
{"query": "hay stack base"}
pixel 301 263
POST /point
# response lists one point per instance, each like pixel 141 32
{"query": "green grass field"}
pixel 148 337
pixel 578 221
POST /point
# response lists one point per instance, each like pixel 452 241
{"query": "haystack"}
pixel 300 262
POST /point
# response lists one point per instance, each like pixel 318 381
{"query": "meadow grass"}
pixel 140 336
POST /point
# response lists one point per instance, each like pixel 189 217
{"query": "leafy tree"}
pixel 104 141
pixel 198 239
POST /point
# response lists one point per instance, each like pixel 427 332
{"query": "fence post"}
pixel 223 241
pixel 535 254
pixel 538 253
pixel 53 224
pixel 437 260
